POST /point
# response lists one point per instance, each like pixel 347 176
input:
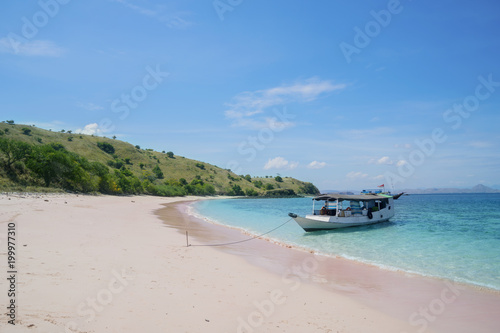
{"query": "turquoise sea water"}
pixel 453 236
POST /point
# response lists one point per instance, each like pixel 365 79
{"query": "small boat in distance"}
pixel 347 210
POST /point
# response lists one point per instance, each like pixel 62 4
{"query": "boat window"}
pixel 383 204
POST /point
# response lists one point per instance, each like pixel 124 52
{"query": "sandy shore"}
pixel 109 264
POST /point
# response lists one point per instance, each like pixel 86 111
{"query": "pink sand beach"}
pixel 121 264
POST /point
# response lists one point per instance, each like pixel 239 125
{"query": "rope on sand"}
pixel 241 241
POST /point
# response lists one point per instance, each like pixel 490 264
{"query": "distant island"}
pixel 38 160
pixel 480 188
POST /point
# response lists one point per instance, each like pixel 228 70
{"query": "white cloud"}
pixel 90 106
pixel 280 163
pixel 480 144
pixel 316 165
pixel 406 145
pixel 382 160
pixel 367 134
pixel 271 123
pixel 41 48
pixel 176 20
pixel 138 9
pixel 251 103
pixel 90 129
pixel 356 175
pixel 401 163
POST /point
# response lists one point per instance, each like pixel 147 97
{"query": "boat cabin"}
pixel 342 205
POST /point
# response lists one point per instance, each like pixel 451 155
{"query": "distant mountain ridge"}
pixel 480 188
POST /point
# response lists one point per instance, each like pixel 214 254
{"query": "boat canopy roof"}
pixel 345 197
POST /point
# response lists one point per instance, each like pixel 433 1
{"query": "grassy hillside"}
pixel 127 163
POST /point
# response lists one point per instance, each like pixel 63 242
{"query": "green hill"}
pixel 35 159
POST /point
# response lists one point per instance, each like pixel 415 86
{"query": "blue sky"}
pixel 346 95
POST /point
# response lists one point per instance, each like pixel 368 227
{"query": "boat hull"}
pixel 318 222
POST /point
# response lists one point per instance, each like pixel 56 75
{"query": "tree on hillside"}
pixel 278 179
pixel 13 151
pixel 26 131
pixel 269 187
pixel 106 147
pixel 10 122
pixel 158 173
pixel 170 154
pixel 258 184
pixel 249 192
pixel 57 146
pixel 236 190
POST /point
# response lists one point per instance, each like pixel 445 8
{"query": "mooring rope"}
pixel 241 241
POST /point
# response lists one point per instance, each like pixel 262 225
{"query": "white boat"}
pixel 343 210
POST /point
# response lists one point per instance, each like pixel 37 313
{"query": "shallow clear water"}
pixel 454 236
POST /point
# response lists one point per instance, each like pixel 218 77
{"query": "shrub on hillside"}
pixel 236 190
pixel 57 146
pixel 158 173
pixel 116 163
pixel 106 147
pixel 269 187
pixel 250 192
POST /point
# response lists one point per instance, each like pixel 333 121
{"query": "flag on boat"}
pixel 381 185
